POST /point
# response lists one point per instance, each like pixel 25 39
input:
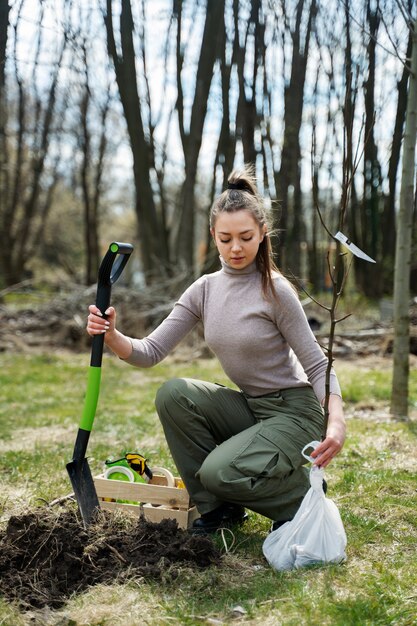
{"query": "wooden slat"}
pixel 141 492
pixel 155 514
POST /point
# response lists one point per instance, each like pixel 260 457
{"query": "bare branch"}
pixel 341 319
pixel 404 12
pixel 368 34
pixel 323 222
pixel 323 306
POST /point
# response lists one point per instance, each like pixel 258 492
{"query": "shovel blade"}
pixel 84 489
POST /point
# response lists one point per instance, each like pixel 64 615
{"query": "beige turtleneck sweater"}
pixel 263 346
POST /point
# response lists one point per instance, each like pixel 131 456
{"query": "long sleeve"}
pixel 182 319
pixel 294 327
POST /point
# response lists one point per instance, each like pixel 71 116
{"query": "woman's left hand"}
pixel 326 451
pixel 335 435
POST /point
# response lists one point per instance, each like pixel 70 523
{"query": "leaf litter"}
pixel 47 556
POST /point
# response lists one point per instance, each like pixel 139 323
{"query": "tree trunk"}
pixel 4 173
pixel 247 116
pixel 349 112
pixel 291 224
pixel 399 399
pixel 388 217
pixel 226 146
pixel 192 139
pixel 91 168
pixel 153 243
pixel 370 227
pixel 90 224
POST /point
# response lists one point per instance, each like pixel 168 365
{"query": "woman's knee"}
pixel 170 393
pixel 210 473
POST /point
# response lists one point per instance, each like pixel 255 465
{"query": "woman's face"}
pixel 237 237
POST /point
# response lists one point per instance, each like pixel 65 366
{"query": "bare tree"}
pixel 245 48
pixel 248 117
pixel 152 235
pixel 93 141
pixel 369 215
pixel 399 398
pixel 30 159
pixel 388 218
pixel 288 179
pixel 4 170
pixel 192 137
pixel 226 147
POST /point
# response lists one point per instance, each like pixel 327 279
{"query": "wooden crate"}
pixel 154 500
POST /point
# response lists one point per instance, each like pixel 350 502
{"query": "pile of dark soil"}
pixel 45 556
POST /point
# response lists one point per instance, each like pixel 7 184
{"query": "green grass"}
pixel 375 384
pixel 373 482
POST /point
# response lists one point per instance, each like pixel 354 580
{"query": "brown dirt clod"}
pixel 47 556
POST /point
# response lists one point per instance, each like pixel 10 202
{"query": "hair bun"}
pixel 240 185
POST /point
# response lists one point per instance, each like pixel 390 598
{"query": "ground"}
pixel 48 560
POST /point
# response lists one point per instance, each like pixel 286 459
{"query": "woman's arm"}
pixel 293 325
pixel 152 349
pixel 335 435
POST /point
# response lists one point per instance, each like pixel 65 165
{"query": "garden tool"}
pixel 135 461
pixel 79 471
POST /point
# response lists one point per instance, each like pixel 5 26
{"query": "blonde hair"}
pixel 242 195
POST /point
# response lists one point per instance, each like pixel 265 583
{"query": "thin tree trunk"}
pixel 370 227
pixel 90 230
pixel 226 145
pixel 4 167
pixel 291 223
pixel 349 111
pixel 154 247
pixel 247 116
pixel 91 170
pixel 192 139
pixel 388 217
pixel 399 399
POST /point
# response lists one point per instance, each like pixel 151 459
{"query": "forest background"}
pixel 122 120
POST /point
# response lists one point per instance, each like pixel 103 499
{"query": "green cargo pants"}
pixel 230 447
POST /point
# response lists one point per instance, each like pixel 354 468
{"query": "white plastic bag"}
pixel 315 535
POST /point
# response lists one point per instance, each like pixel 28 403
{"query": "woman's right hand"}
pixel 97 324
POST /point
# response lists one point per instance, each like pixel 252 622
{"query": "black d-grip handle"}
pixel 113 263
pixel 110 269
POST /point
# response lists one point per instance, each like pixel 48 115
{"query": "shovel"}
pixel 79 471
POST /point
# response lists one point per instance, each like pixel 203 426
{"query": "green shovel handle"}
pixel 91 398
